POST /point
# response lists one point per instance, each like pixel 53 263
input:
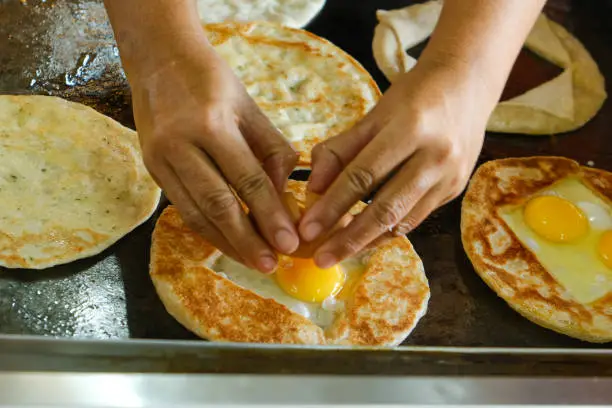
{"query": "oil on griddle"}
pixel 66 48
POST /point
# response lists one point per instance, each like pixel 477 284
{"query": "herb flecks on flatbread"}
pixel 309 88
pixel 72 182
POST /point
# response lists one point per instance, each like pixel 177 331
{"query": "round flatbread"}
pixel 562 104
pixel 512 269
pixel 386 303
pixel 309 88
pixel 72 182
pixel 290 13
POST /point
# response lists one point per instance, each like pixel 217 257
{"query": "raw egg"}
pixel 304 280
pixel 556 219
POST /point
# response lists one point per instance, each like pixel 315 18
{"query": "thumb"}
pixel 271 148
pixel 330 157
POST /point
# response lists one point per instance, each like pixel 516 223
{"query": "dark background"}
pixel 65 48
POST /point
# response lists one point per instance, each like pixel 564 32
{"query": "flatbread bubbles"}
pixel 309 88
pixel 373 299
pixel 72 182
pixel 562 104
pixel 290 13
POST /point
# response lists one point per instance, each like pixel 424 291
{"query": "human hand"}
pixel 420 143
pixel 200 134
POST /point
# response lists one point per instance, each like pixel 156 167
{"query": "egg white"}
pixel 577 265
pixel 323 314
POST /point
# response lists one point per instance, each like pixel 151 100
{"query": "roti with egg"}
pixel 290 13
pixel 374 299
pixel 309 88
pixel 562 104
pixel 72 182
pixel 539 232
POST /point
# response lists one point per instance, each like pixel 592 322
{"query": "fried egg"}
pixel 315 293
pixel 569 229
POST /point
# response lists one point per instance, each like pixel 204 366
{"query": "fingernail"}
pixel 286 241
pixel 267 263
pixel 312 231
pixel 325 260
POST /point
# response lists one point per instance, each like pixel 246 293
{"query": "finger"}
pixel 334 154
pixel 272 149
pixel 371 166
pixel 191 215
pixel 241 169
pixel 219 205
pixel 394 204
pixel 399 232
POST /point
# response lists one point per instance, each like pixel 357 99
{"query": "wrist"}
pixel 164 55
pixel 159 37
pixel 461 77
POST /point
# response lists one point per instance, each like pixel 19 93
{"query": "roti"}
pixel 514 269
pixel 290 13
pixel 385 305
pixel 309 88
pixel 563 104
pixel 72 182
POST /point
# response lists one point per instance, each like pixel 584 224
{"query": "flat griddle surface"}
pixel 65 48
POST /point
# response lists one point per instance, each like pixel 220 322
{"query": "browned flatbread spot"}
pixel 512 270
pixel 386 305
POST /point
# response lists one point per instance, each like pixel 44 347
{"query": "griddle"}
pixel 66 48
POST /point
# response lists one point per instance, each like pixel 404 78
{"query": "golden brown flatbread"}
pixel 510 268
pixel 72 182
pixel 385 306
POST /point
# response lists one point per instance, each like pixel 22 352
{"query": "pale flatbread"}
pixel 511 269
pixel 562 104
pixel 386 304
pixel 309 88
pixel 290 13
pixel 72 182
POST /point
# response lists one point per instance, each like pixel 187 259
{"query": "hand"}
pixel 421 141
pixel 200 134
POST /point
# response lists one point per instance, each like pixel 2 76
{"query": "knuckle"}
pixel 218 204
pixel 318 152
pixel 388 214
pixel 406 225
pixel 456 190
pixel 360 179
pixel 459 181
pixel 193 219
pixel 213 116
pixel 250 185
pixel 349 247
pixel 281 155
pixel 448 152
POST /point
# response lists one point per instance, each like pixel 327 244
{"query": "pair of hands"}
pixel 201 133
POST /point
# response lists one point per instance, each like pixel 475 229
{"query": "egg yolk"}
pixel 605 248
pixel 555 219
pixel 304 280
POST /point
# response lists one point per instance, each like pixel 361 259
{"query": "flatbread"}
pixel 512 270
pixel 290 13
pixel 562 104
pixel 386 305
pixel 72 182
pixel 309 88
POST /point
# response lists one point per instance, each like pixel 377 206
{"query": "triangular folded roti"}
pixel 562 104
